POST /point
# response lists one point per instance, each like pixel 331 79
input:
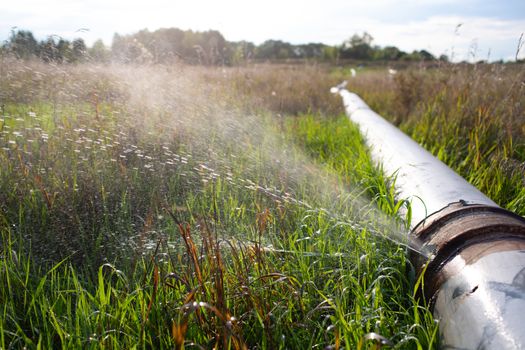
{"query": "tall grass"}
pixel 470 117
pixel 161 207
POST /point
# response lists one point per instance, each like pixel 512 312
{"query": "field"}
pixel 229 207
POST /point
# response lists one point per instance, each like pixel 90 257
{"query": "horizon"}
pixel 471 30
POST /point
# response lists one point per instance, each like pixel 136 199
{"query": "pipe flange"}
pixel 473 230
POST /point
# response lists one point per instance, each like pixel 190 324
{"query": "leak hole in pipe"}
pixel 462 289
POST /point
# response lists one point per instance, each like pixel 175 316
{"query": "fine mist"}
pixel 222 134
pixel 213 204
pixel 221 126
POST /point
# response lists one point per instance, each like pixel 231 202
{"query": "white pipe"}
pixel 422 178
pixel 483 305
pixel 475 274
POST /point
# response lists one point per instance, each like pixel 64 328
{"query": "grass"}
pixel 188 207
pixel 470 117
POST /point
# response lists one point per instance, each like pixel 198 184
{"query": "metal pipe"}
pixel 428 183
pixel 474 269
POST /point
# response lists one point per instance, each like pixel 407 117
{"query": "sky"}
pixel 469 30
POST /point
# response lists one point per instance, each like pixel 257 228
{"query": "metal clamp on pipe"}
pixel 475 275
pixel 472 252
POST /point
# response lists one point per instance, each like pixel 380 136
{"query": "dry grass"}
pixel 177 197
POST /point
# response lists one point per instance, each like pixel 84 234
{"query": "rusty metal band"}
pixel 472 230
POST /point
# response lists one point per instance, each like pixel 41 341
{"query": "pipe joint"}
pixel 469 230
pixel 470 253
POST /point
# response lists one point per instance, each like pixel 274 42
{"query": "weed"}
pixel 177 206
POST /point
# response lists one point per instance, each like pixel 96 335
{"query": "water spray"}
pixel 473 266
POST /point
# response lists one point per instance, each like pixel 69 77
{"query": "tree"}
pixel 128 49
pixel 49 51
pixel 118 48
pixel 165 44
pixel 311 50
pixel 214 46
pixel 64 50
pixel 23 44
pixel 421 55
pixel 443 58
pixel 389 53
pixel 241 51
pixel 78 50
pixel 275 49
pixel 358 47
pixel 426 56
pixel 98 52
pixel 330 53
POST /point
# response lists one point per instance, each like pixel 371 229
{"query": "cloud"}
pixel 408 24
pixel 473 40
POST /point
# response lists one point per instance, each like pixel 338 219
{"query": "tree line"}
pixel 167 45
